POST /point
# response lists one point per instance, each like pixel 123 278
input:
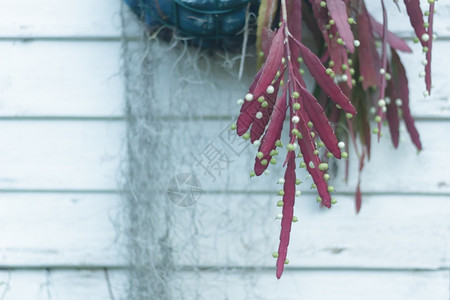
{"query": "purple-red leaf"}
pixel 392 115
pixel 338 12
pixel 273 132
pixel 307 147
pixel 318 71
pixel 369 60
pixel 272 64
pixel 288 213
pixel 317 116
pixel 429 45
pixel 393 40
pixel 416 18
pixel 400 82
pixel 358 197
pixel 259 125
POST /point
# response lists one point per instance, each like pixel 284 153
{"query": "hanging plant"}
pixel 359 78
pixel 358 74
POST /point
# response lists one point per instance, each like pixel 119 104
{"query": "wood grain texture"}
pixel 84 18
pixel 389 233
pixel 71 230
pixel 321 285
pixel 231 159
pixel 84 79
pixel 60 78
pixel 60 230
pixel 51 18
pixel 307 285
pixel 63 155
pixel 63 285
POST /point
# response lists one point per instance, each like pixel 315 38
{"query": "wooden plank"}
pixel 60 230
pixel 61 284
pixel 78 79
pixel 402 232
pixel 308 285
pixel 60 78
pixel 188 83
pixel 84 230
pixel 315 285
pixel 438 104
pixel 84 18
pixel 63 155
pixel 50 18
pixel 86 155
pixel 222 161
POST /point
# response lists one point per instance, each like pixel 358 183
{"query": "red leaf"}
pixel 273 132
pixel 318 71
pixel 259 125
pixel 369 61
pixel 320 122
pixel 393 40
pixel 272 65
pixel 429 45
pixel 263 79
pixel 416 18
pixel 358 197
pixel 338 12
pixel 392 115
pixel 307 148
pixel 400 82
pixel 288 213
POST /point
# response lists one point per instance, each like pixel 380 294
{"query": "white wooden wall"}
pixel 62 138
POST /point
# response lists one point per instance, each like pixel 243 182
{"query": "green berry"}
pixel 264 162
pixel 280 203
pixel 323 166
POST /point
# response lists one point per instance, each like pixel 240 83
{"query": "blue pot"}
pixel 201 19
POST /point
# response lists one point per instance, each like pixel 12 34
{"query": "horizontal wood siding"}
pixel 62 148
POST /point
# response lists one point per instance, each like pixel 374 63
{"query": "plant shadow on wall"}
pixel 359 79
